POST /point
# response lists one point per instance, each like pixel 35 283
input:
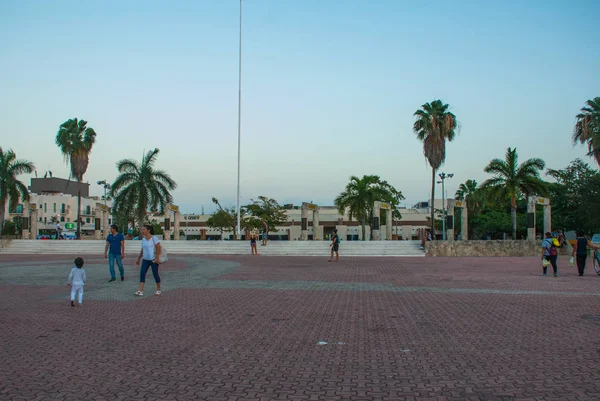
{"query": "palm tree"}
pixel 140 187
pixel 75 140
pixel 434 126
pixel 587 128
pixel 360 195
pixel 513 181
pixel 11 189
pixel 470 192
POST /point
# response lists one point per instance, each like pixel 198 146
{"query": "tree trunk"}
pixel 432 205
pixel 2 216
pixel 513 215
pixel 142 213
pixel 364 230
pixel 79 211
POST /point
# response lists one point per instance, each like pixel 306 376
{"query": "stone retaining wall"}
pixel 486 248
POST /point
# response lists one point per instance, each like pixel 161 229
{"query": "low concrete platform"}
pixel 273 248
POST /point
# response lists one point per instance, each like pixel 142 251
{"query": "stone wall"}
pixel 486 248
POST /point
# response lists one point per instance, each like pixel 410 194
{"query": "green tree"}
pixel 513 181
pixel 574 197
pixel 267 209
pixel 225 218
pixel 9 228
pixel 140 187
pixel 75 140
pixel 360 194
pixel 587 128
pixel 158 230
pixel 434 126
pixel 474 198
pixel 11 189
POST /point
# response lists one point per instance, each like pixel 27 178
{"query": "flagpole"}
pixel 239 126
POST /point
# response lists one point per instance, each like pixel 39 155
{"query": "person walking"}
pixel 76 280
pixel 549 254
pixel 335 246
pixel 114 251
pixel 149 254
pixel 580 251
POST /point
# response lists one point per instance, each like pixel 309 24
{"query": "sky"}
pixel 329 88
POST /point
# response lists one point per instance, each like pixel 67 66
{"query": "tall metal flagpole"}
pixel 239 126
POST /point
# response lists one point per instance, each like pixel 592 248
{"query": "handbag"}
pixel 162 257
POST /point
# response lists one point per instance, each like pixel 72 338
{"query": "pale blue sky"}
pixel 329 88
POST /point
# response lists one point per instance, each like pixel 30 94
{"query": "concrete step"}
pixel 274 248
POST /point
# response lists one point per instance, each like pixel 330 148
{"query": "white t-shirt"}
pixel 148 247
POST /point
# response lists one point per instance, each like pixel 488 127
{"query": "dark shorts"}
pixel 335 248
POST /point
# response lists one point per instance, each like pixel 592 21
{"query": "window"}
pixel 109 221
pixel 45 221
pixel 45 210
pixel 62 218
pixel 55 208
pixel 62 208
pixel 87 220
pixel 88 210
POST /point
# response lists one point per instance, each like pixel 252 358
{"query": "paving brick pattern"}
pixel 250 328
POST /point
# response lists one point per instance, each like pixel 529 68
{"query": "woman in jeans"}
pixel 149 257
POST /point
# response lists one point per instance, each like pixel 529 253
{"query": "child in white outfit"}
pixel 77 280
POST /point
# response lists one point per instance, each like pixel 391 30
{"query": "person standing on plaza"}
pixel 580 251
pixel 253 243
pixel 149 254
pixel 335 246
pixel 550 254
pixel 77 279
pixel 58 230
pixel 115 252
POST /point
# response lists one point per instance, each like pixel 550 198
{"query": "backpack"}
pixel 552 241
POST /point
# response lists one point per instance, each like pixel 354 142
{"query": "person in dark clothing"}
pixel 550 254
pixel 580 252
pixel 335 246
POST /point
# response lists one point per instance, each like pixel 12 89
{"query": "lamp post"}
pixel 443 176
pixel 106 186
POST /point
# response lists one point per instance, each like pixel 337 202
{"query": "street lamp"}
pixel 443 176
pixel 106 186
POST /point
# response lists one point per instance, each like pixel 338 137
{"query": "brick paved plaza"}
pixel 250 328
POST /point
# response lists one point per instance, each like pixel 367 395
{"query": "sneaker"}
pixel 112 280
pixel 72 303
pixel 544 274
pixel 555 274
pixel 122 278
pixel 139 293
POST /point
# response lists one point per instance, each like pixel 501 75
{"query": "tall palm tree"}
pixel 360 195
pixel 75 140
pixel 587 128
pixel 11 189
pixel 141 188
pixel 470 192
pixel 513 181
pixel 434 126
